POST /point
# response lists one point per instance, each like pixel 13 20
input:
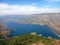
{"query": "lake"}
pixel 20 29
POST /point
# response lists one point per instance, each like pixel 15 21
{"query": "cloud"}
pixel 6 9
pixel 52 1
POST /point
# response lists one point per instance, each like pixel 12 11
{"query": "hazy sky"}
pixel 18 7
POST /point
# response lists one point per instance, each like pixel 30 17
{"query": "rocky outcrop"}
pixel 4 33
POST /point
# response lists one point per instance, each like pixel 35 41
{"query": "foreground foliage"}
pixel 26 39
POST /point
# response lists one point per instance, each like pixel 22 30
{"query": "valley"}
pixel 50 19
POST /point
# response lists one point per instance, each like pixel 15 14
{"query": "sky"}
pixel 26 7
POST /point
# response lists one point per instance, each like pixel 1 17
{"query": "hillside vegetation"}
pixel 26 39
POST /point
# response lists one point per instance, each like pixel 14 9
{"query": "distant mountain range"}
pixel 50 19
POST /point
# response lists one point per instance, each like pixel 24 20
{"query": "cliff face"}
pixel 50 19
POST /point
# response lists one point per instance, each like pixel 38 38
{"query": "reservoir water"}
pixel 20 29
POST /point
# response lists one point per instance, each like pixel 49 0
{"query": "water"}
pixel 20 29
